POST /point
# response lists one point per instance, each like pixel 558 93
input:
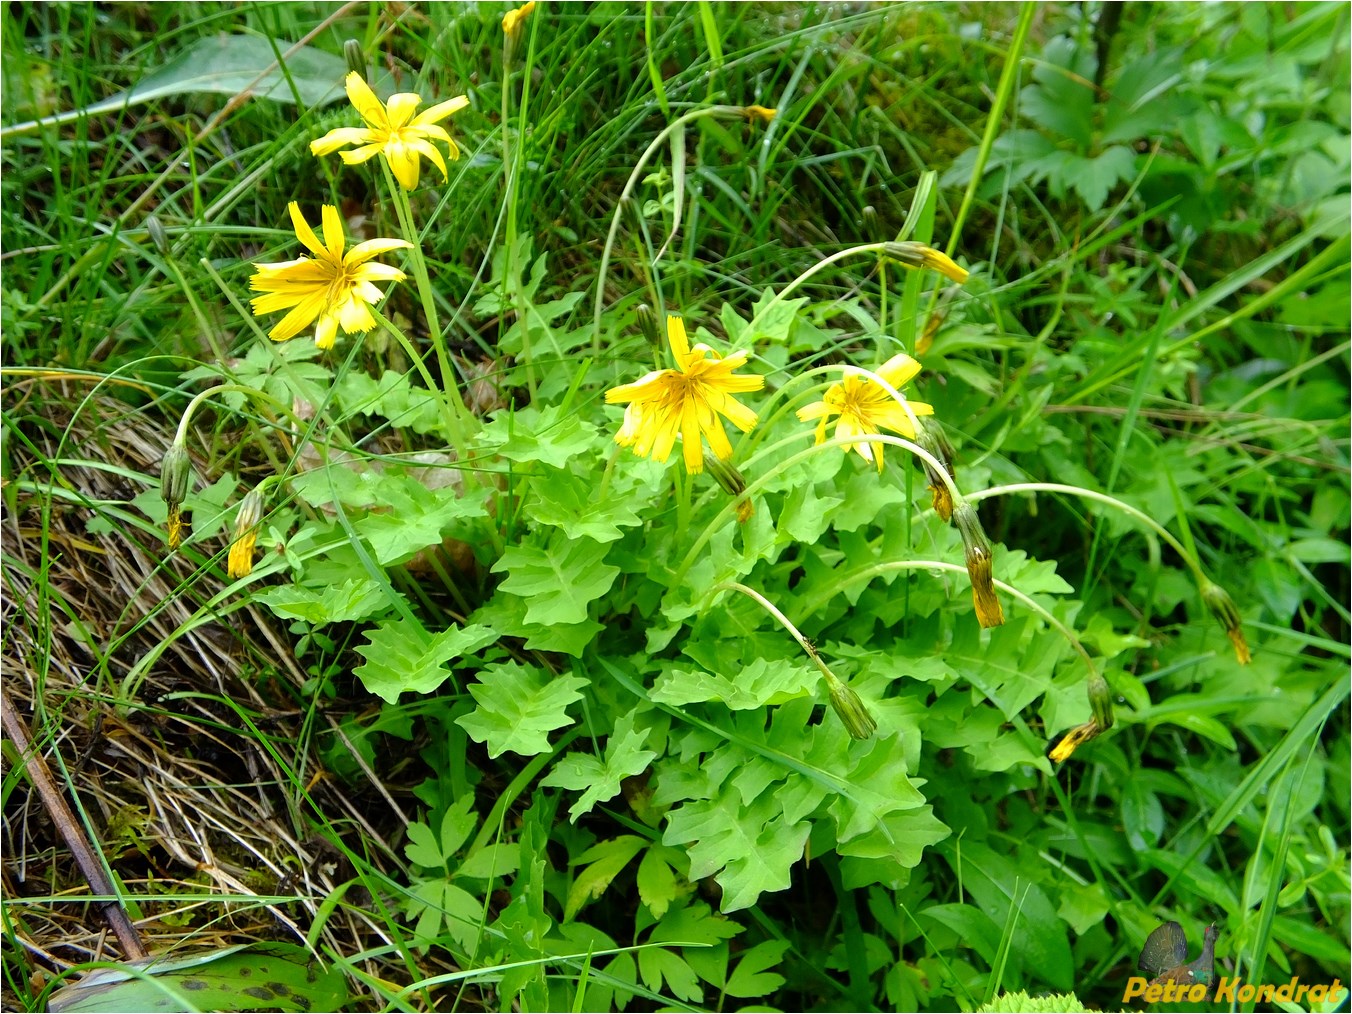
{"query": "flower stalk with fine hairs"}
pixel 847 705
pixel 977 550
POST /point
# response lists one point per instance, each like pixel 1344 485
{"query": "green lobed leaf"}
pixel 401 656
pixel 760 683
pixel 601 779
pixel 557 580
pixel 518 706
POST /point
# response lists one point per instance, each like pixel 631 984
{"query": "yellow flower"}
pixel 394 131
pixel 245 535
pixel 512 20
pixel 864 407
pixel 754 112
pixel 687 400
pixel 335 288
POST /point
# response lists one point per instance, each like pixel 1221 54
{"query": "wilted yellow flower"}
pixel 1074 739
pixel 175 474
pixel 754 112
pixel 394 131
pixel 511 21
pixel 335 288
pixel 687 400
pixel 250 516
pixel 918 255
pixel 865 408
pixel 1222 607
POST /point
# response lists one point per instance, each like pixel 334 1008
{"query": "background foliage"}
pixel 486 734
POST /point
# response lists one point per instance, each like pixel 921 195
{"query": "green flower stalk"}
pixel 977 549
pixel 175 473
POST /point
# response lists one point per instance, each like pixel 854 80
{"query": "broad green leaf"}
pixel 428 849
pixel 760 683
pixel 750 977
pixel 658 882
pixel 624 757
pixel 434 903
pixel 601 863
pixel 401 656
pixel 558 580
pixel 900 838
pixel 355 599
pixel 576 505
pixel 252 977
pixel 226 65
pixel 518 706
pixel 550 436
pixel 878 786
pixel 414 518
pixel 507 615
pixel 392 397
pixel 750 849
pixel 657 964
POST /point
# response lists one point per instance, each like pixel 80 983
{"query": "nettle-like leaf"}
pixel 551 436
pixel 576 504
pixel 518 706
pixel 760 683
pixel 557 580
pixel 624 757
pixel 402 656
pixel 749 850
pixel 416 517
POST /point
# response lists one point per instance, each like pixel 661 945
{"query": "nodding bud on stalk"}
pixel 870 221
pixel 1222 607
pixel 977 549
pixel 175 472
pixel 759 112
pixel 355 57
pixel 1101 704
pixel 918 255
pixel 157 235
pixel 849 708
pixel 647 323
pixel 732 482
pixel 250 516
pixel 930 435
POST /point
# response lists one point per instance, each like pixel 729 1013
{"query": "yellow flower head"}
pixel 334 288
pixel 687 400
pixel 759 112
pixel 865 408
pixel 394 131
pixel 245 535
pixel 511 21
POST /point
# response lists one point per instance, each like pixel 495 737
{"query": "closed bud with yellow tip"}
pixel 977 550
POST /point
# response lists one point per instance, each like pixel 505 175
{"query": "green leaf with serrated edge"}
pixel 401 656
pixel 391 397
pixel 601 863
pixel 624 757
pixel 518 706
pixel 760 683
pixel 750 977
pixel 551 436
pixel 354 599
pixel 415 518
pixel 557 580
pixel 900 837
pixel 805 515
pixel 656 964
pixel 750 849
pixel 496 859
pixel 878 786
pixel 423 847
pixel 576 505
pixel 507 615
pixel 658 882
pixel 867 496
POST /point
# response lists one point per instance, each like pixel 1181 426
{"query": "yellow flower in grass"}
pixel 393 130
pixel 245 535
pixel 333 288
pixel 687 400
pixel 865 408
pixel 511 21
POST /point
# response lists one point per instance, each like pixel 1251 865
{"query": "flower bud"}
pixel 977 549
pixel 250 516
pixel 870 221
pixel 930 435
pixel 355 57
pixel 513 19
pixel 1075 738
pixel 918 255
pixel 1222 607
pixel 759 112
pixel 175 473
pixel 733 482
pixel 157 235
pixel 850 709
pixel 647 323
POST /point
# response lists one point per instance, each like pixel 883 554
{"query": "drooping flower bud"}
pixel 157 235
pixel 1222 607
pixel 930 435
pixel 759 112
pixel 918 255
pixel 250 516
pixel 977 549
pixel 355 57
pixel 647 323
pixel 733 482
pixel 175 474
pixel 849 708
